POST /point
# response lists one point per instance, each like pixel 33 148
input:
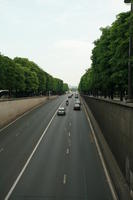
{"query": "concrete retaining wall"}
pixel 9 110
pixel 116 123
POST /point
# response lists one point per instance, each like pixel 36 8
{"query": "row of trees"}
pixel 25 78
pixel 108 74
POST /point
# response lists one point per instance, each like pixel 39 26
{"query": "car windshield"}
pixel 61 109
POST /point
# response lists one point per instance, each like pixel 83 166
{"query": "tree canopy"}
pixel 25 78
pixel 109 70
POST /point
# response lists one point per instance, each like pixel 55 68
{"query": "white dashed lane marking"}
pixel 67 151
pixel 64 179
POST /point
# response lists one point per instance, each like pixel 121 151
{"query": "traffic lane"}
pixel 43 178
pixel 26 120
pixel 17 148
pixel 55 173
pixel 84 175
pixel 84 165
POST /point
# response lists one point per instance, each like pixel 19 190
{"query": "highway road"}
pixel 48 157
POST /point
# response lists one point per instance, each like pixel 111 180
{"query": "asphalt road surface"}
pixel 62 165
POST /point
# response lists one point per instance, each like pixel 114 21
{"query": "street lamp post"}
pixel 130 64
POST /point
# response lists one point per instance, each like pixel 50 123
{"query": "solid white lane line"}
pixel 30 157
pixel 113 192
pixel 64 179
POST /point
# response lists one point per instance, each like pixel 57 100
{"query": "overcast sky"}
pixel 56 34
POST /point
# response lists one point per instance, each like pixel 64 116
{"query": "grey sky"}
pixel 56 34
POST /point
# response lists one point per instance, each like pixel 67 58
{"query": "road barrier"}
pixel 115 120
pixel 10 110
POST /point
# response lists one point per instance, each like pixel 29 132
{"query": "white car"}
pixel 76 106
pixel 78 101
pixel 61 111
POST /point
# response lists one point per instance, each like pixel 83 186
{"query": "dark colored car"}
pixel 70 96
pixel 61 111
pixel 76 95
pixel 76 106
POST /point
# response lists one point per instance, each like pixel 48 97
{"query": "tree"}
pixel 19 79
pixel 24 78
pixel 58 86
pixel 65 87
pixel 31 81
pixel 108 74
pixel 2 73
pixel 9 80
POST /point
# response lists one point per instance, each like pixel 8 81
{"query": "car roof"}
pixel 61 108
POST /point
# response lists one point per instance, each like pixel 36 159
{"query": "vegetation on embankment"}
pixel 108 74
pixel 25 78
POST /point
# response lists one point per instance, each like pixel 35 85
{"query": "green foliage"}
pixel 41 75
pixel 20 78
pixel 31 81
pixel 25 78
pixel 65 87
pixel 59 87
pixel 2 72
pixel 49 85
pixel 42 81
pixel 108 73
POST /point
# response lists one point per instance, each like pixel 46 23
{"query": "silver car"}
pixel 61 111
pixel 78 101
pixel 76 106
